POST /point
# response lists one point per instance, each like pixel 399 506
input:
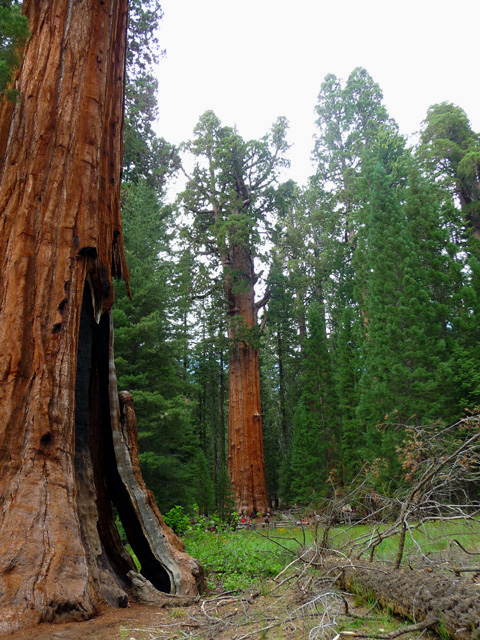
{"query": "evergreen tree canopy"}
pixel 228 189
pixel 451 150
pixel 316 422
pixel 372 294
pixel 13 35
pixel 146 157
pixel 148 353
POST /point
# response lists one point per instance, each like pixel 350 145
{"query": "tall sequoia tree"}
pixel 227 195
pixel 68 442
pixel 451 150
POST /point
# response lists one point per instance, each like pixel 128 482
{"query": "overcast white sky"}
pixel 254 60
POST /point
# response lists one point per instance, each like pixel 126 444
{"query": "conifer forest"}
pixel 363 287
pixel 240 347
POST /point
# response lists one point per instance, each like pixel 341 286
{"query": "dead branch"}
pixel 261 303
pixel 470 553
pixel 420 626
pixel 459 570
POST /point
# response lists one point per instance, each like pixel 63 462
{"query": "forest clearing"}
pixel 251 410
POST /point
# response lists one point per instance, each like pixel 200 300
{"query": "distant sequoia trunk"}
pixel 245 439
pixel 68 457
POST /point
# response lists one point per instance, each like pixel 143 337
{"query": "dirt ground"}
pixel 217 617
pixel 227 619
pixel 110 624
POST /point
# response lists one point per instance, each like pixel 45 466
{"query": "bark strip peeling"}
pixel 60 246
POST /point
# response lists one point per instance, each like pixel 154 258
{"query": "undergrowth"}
pixel 238 559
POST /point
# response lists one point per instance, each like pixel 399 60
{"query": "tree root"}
pixel 144 592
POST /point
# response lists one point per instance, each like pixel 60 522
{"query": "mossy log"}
pixel 451 603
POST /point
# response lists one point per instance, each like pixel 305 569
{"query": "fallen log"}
pixel 451 604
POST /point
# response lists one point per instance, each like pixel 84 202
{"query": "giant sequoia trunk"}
pixel 67 458
pixel 245 445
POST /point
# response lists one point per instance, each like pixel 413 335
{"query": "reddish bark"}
pixel 60 245
pixel 172 570
pixel 245 443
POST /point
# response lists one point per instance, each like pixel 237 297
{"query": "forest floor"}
pixel 259 588
pixel 287 615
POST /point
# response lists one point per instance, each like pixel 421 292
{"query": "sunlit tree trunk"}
pixel 229 194
pixel 245 441
pixel 60 245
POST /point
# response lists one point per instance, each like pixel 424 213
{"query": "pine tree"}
pixel 208 380
pixel 297 276
pixel 148 360
pixel 146 156
pixel 351 120
pixel 224 496
pixel 13 35
pixel 465 343
pixel 347 363
pixel 316 424
pixel 280 365
pixel 450 152
pixel 405 363
pixel 204 490
pixel 436 279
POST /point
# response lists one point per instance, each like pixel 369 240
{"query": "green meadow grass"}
pixel 428 540
pixel 238 559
